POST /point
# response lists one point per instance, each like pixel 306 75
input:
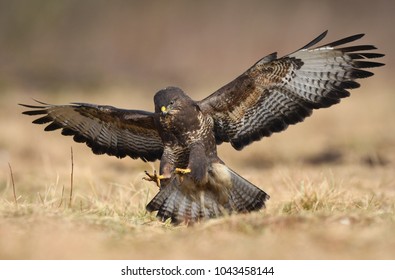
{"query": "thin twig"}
pixel 41 198
pixel 71 177
pixel 13 185
pixel 61 198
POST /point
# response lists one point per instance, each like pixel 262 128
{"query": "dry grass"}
pixel 322 206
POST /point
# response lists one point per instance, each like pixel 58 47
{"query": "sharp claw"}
pixel 153 178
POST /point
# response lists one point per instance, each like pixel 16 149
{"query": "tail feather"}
pixel 184 207
pixel 182 200
pixel 159 199
pixel 170 206
pixel 245 195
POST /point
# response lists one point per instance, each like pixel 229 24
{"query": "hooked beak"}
pixel 164 110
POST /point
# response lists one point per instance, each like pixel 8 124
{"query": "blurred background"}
pixel 52 45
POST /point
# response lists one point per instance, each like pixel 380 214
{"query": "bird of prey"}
pixel 194 183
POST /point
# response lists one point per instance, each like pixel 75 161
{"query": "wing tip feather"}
pixel 315 40
pixel 49 114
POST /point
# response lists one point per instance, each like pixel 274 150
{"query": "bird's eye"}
pixel 171 102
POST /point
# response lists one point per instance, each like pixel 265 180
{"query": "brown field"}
pixel 331 179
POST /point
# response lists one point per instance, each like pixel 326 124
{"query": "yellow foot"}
pixel 154 178
pixel 182 170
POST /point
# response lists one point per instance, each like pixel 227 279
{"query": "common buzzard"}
pixel 194 183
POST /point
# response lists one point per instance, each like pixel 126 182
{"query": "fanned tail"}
pixel 182 200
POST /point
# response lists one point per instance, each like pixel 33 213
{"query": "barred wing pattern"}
pixel 105 129
pixel 275 93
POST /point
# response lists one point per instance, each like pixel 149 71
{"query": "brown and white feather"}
pixel 105 129
pixel 276 92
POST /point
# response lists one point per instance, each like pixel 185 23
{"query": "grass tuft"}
pixel 309 197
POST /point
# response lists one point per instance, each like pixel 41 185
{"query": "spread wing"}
pixel 105 129
pixel 276 92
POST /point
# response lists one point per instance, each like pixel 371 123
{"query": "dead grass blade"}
pixel 71 177
pixel 13 185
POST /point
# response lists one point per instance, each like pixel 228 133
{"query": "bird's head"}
pixel 170 101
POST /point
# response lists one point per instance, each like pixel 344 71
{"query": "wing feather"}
pixel 276 92
pixel 105 129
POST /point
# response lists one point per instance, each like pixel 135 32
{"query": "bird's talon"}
pixel 183 170
pixel 153 178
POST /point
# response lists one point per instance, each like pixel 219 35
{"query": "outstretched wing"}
pixel 275 93
pixel 105 129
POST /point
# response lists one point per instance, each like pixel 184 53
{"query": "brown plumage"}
pixel 194 182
